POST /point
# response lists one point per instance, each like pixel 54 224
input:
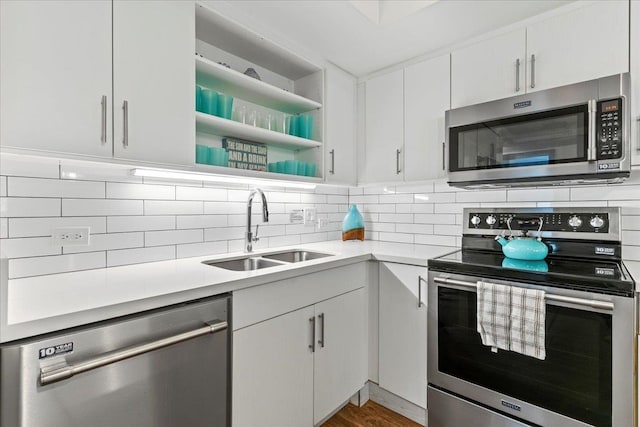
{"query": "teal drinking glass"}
pixel 219 156
pixel 209 101
pixel 292 125
pixel 198 98
pixel 291 167
pixel 302 167
pixel 310 169
pixel 280 167
pixel 225 106
pixel 305 126
pixel 272 167
pixel 202 154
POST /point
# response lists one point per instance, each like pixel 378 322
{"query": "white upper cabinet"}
pixel 584 44
pixel 488 70
pixel 340 135
pixel 426 98
pixel 154 76
pixel 384 128
pixel 55 69
pixel 635 82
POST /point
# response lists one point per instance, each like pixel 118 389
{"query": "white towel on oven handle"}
pixel 528 316
pixel 493 315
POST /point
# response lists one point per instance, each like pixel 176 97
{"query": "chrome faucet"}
pixel 250 238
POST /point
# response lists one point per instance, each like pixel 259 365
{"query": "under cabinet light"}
pixel 195 176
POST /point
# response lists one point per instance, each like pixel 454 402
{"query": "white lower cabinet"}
pixel 295 369
pixel 403 331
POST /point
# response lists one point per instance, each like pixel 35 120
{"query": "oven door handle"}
pixel 48 376
pixel 601 305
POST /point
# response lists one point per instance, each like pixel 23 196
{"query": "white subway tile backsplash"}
pixel 538 194
pixel 630 222
pixel 631 237
pixel 434 198
pixel 427 239
pixel 609 192
pixel 97 207
pixel 396 198
pixel 415 208
pixel 415 228
pixel 337 199
pixel 118 224
pixel 116 190
pixel 396 237
pixel 162 207
pixel 222 208
pixel 4 228
pixel 201 249
pixel 376 208
pixel 383 217
pixel 201 221
pixel 356 191
pixel 363 199
pixel 103 242
pixel 279 197
pixel 3 186
pixel 38 187
pixel 313 237
pixel 311 198
pixel 448 230
pixel 295 229
pixel 28 247
pixel 137 256
pixel 227 233
pixel 415 188
pixel 35 227
pixel 27 267
pixel 172 237
pixel 434 219
pixel 452 208
pixel 18 207
pixel 631 253
pixel 196 193
pixel 380 226
pixel 574 204
pixel 284 240
pixel 482 196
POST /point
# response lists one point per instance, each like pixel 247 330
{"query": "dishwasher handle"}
pixel 48 376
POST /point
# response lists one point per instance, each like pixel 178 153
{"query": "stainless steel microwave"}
pixel 567 135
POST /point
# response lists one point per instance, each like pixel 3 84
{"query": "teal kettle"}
pixel 523 248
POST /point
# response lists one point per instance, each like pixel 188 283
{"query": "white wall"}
pixel 134 220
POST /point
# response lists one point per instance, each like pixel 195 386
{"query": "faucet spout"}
pixel 250 238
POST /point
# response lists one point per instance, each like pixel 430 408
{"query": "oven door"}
pixel 587 377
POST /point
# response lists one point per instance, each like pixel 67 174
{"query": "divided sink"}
pixel 249 263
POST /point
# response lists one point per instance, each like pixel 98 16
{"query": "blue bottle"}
pixel 353 225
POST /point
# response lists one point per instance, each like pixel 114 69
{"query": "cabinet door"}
pixel 55 68
pixel 340 136
pixel 426 98
pixel 635 82
pixel 154 73
pixel 403 332
pixel 587 43
pixel 341 351
pixel 384 128
pixel 488 70
pixel 273 372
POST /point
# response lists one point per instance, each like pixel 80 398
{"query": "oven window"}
pixel 558 136
pixel 573 380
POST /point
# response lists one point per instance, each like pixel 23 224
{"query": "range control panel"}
pixel 609 129
pixel 579 222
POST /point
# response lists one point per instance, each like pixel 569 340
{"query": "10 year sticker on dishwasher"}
pixel 55 350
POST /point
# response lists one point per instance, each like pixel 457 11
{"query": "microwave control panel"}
pixel 609 129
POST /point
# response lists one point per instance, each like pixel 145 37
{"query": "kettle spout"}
pixel 501 240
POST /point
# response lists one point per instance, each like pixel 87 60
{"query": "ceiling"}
pixel 338 31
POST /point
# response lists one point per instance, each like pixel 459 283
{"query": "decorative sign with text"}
pixel 245 154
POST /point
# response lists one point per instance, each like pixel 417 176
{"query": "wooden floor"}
pixel 370 415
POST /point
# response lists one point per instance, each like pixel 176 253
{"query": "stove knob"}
pixel 491 220
pixel 596 222
pixel 575 221
pixel 475 220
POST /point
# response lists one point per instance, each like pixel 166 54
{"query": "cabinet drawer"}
pixel 260 303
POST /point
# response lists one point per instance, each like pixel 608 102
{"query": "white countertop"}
pixel 42 304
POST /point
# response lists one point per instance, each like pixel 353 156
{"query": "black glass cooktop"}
pixel 591 275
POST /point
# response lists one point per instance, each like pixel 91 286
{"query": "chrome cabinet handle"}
pixel 602 305
pixel 518 75
pixel 443 156
pixel 420 280
pixel 312 346
pixel 321 340
pixel 48 376
pixel 398 161
pixel 533 71
pixel 332 171
pixel 103 129
pixel 125 112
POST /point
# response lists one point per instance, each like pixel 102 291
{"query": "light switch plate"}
pixel 310 216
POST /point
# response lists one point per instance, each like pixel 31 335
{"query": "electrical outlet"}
pixel 310 215
pixel 322 223
pixel 71 236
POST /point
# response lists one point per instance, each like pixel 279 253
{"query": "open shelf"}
pixel 223 127
pixel 222 170
pixel 231 82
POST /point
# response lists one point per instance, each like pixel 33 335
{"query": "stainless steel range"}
pixel 587 377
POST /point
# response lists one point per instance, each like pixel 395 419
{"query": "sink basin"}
pixel 244 264
pixel 295 256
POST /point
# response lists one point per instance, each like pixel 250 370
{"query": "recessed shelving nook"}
pixel 289 86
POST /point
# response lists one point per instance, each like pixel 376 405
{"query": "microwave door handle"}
pixel 591 153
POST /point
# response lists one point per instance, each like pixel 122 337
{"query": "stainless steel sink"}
pixel 296 256
pixel 244 264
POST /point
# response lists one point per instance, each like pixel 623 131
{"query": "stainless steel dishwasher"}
pixel 165 367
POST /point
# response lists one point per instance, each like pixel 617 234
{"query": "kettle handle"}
pixel 526 223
